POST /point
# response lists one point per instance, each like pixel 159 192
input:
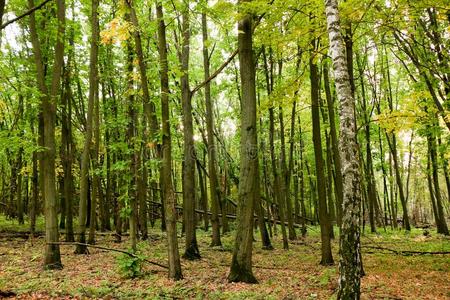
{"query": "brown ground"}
pixel 293 274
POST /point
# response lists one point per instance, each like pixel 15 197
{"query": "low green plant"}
pixel 130 266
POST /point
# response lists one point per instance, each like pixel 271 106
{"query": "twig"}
pixel 108 249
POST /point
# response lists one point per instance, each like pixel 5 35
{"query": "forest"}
pixel 224 149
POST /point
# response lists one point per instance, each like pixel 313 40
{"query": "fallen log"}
pixel 408 252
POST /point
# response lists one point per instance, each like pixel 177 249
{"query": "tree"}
pixel 191 250
pixel 324 218
pixel 214 188
pixel 350 247
pixel 166 182
pixel 93 91
pixel 52 258
pixel 241 263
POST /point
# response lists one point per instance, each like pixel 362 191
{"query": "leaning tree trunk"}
pixel 166 178
pixel 241 264
pixel 350 249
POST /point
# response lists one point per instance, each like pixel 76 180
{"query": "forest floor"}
pixel 292 274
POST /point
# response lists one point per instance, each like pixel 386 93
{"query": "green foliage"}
pixel 130 266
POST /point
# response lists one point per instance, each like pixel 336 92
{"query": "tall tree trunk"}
pixel 265 234
pixel 203 196
pixel 150 113
pixel 166 180
pixel 324 219
pixel 134 156
pixel 67 149
pixel 84 172
pixel 431 191
pixel 191 249
pixel 350 267
pixel 441 224
pixel 371 187
pixel 276 178
pixel 52 254
pixel 302 181
pixel 335 145
pixel 241 263
pixel 214 188
pixel 393 147
pixel 445 169
pixel 52 258
pixel 20 202
pixel 96 184
pixel 285 178
pixel 35 193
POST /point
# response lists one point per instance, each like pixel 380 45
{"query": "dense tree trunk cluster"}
pixel 172 120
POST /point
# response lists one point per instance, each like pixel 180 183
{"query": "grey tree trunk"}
pixel 350 266
pixel 241 263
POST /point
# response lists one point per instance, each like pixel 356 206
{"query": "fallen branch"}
pixel 407 252
pixel 108 249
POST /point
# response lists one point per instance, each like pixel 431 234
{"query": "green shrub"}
pixel 130 266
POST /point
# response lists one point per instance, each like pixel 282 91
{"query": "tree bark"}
pixel 67 149
pixel 350 266
pixel 52 259
pixel 441 224
pixel 324 218
pixel 241 263
pixel 166 180
pixel 84 172
pixel 191 248
pixel 214 189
